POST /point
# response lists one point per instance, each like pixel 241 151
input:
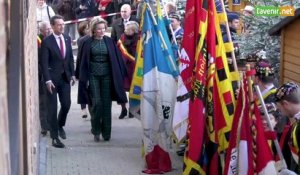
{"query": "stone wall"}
pixel 4 142
pixel 29 92
pixel 31 85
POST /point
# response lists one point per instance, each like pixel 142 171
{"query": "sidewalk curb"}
pixel 43 156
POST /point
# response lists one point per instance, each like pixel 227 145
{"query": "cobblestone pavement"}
pixel 82 156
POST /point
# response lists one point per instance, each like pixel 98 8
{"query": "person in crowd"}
pixel 271 109
pixel 248 12
pixel 66 9
pixel 58 71
pixel 86 9
pixel 139 5
pixel 264 78
pixel 44 31
pixel 288 103
pixel 118 24
pixel 106 7
pixel 139 9
pixel 49 2
pixel 119 3
pixel 127 45
pixel 171 8
pixel 176 25
pixel 117 31
pixel 43 11
pixel 234 23
pixel 271 134
pixel 83 31
pixel 102 71
pixel 76 9
pixel 55 4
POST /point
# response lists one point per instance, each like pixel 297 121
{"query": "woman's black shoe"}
pixel 96 138
pixel 106 139
pixel 131 115
pixel 84 116
pixel 123 113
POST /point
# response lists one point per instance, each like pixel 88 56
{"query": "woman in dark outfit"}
pixel 102 70
pixel 83 31
pixel 127 45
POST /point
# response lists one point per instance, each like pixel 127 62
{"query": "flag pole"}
pixel 170 27
pixel 161 37
pixel 283 163
pixel 229 37
pixel 240 119
pixel 249 80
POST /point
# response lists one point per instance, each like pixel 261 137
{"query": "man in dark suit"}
pixel 58 71
pixel 118 25
pixel 45 30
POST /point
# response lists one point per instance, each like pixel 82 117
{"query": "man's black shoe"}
pixel 57 143
pixel 44 132
pixel 123 113
pixel 62 132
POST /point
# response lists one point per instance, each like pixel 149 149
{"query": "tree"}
pixel 256 37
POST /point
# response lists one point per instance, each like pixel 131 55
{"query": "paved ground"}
pixel 82 156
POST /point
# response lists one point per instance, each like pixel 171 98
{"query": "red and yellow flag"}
pixel 212 101
pixel 194 55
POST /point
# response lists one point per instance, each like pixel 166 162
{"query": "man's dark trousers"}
pixel 63 90
pixel 43 106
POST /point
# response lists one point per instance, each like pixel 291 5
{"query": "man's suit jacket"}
pixel 54 66
pixel 118 28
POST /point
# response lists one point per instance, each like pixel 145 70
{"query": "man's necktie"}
pixel 61 47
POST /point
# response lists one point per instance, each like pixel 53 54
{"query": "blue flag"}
pixel 158 95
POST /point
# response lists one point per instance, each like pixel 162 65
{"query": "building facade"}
pixel 19 121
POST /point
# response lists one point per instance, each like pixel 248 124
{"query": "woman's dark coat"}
pixel 117 66
pixel 81 85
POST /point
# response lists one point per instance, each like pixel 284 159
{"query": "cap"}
pixel 175 16
pixel 285 89
pixel 249 8
pixel 264 68
pixel 232 16
pixel 271 108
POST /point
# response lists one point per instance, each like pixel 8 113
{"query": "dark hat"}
pixel 264 68
pixel 175 16
pixel 271 108
pixel 285 89
pixel 232 16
